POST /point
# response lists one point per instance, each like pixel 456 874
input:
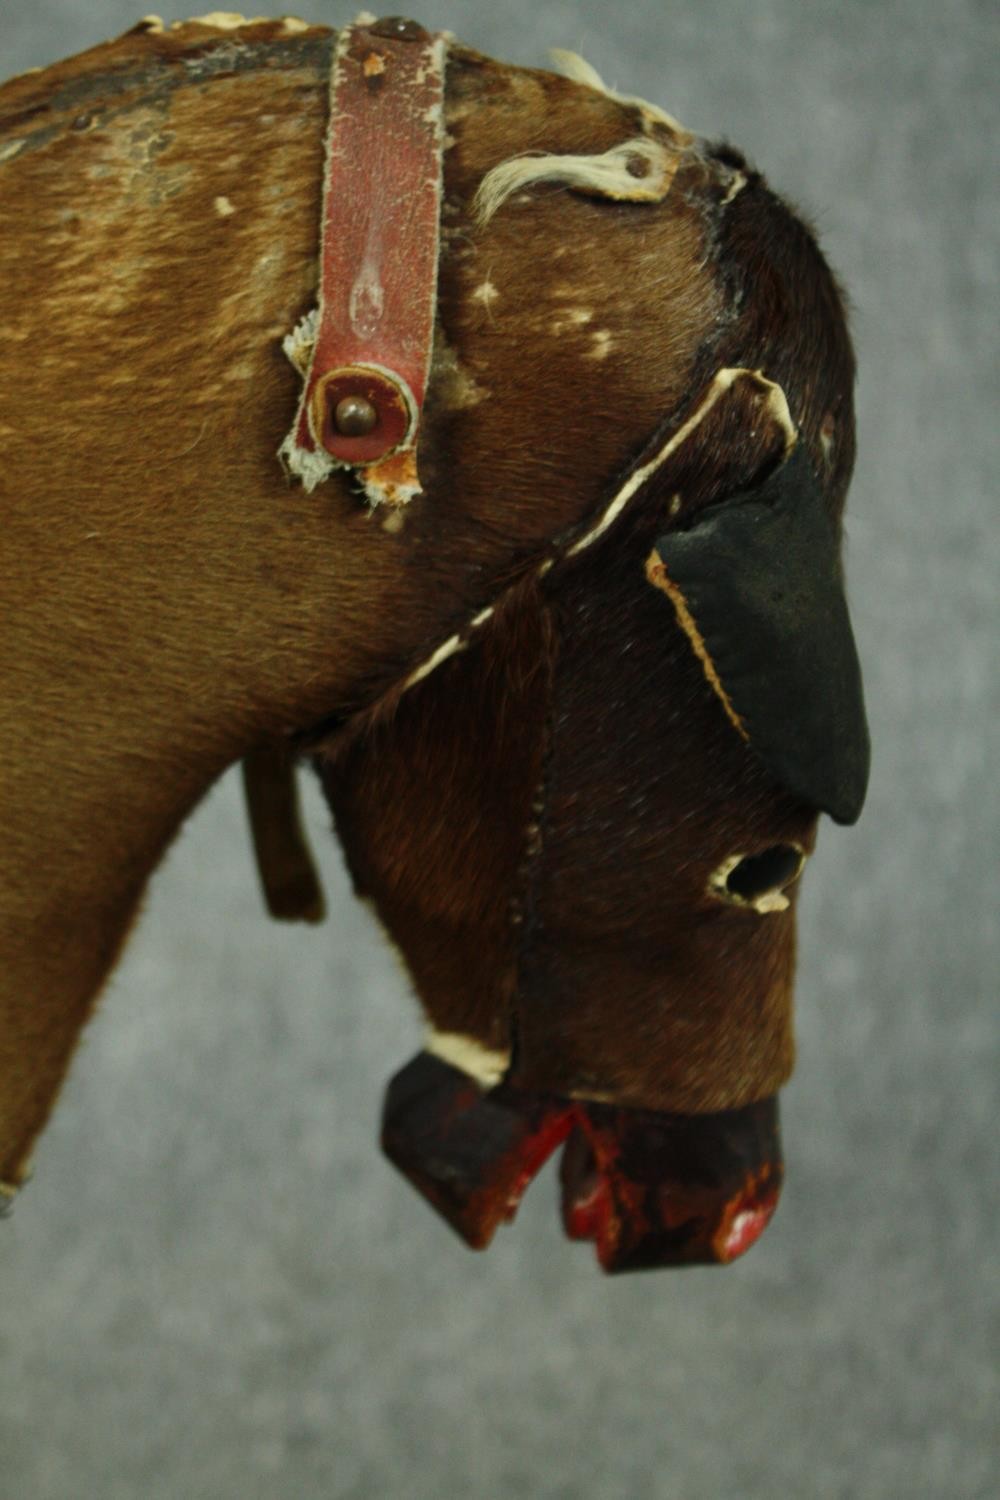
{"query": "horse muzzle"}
pixel 648 1187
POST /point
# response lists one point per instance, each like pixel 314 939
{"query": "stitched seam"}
pixel 524 910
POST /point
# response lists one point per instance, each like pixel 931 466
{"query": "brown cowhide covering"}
pixel 538 819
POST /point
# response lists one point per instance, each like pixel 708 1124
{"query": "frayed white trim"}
pixel 723 380
pixel 299 344
pixel 737 185
pixel 222 20
pixel 451 647
pixel 486 1065
pixel 393 494
pixel 572 65
pixel 777 403
pixel 720 384
pixel 768 902
pixel 312 468
pixel 606 175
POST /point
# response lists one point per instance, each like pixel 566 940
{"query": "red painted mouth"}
pixel 649 1188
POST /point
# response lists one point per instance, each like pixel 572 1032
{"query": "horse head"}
pixel 577 705
pixel 584 828
pixel 584 816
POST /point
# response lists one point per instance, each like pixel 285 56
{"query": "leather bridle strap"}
pixel 289 878
pixel 366 349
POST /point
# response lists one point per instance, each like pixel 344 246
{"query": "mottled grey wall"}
pixel 216 1288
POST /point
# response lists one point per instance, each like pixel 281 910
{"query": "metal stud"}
pixel 399 29
pixel 354 416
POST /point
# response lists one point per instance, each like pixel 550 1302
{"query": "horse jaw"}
pixel 649 1188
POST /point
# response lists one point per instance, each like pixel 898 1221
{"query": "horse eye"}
pixel 758 880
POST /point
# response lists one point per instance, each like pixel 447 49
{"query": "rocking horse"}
pixel 480 436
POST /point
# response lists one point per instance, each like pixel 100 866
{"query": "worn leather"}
pixel 761 577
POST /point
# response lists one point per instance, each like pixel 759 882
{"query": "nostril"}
pixel 758 880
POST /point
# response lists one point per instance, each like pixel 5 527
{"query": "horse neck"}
pixel 170 601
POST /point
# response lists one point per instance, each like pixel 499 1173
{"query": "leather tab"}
pixel 288 877
pixel 373 330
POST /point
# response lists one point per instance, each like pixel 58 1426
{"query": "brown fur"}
pixel 171 603
pixel 538 822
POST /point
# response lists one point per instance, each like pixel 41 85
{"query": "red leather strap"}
pixel 374 326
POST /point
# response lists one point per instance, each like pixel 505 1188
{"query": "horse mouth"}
pixel 649 1188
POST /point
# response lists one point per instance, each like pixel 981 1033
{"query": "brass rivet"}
pixel 399 29
pixel 354 416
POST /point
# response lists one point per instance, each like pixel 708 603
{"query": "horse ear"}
pixel 757 585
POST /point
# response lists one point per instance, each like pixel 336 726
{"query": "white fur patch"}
pixel 606 175
pixel 602 344
pixel 486 294
pixel 572 65
pixel 486 1065
pixel 224 207
pixel 570 319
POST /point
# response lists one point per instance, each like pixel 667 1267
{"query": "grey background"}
pixel 216 1288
